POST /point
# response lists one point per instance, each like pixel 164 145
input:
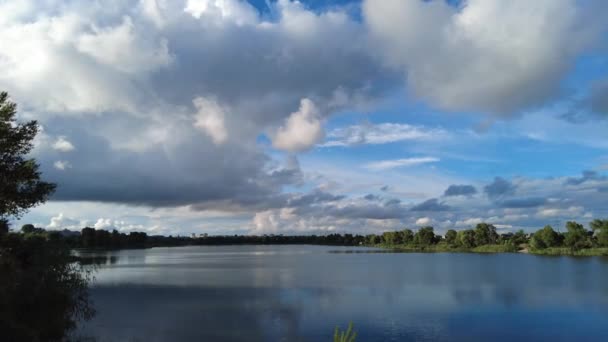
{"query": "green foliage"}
pixel 407 236
pixel 373 239
pixel 603 251
pixel 424 236
pixel 466 238
pixel 451 236
pixel 600 227
pixel 576 237
pixel 519 237
pixel 391 238
pixel 485 234
pixel 20 183
pixel 43 294
pixel 546 237
pixel 345 336
pixel 537 243
pixel 28 228
pixel 485 239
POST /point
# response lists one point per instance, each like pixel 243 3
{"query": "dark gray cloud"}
pixel 372 197
pixel 431 205
pixel 499 187
pixel 592 107
pixel 384 188
pixel 587 176
pixel 460 190
pixel 189 170
pixel 392 202
pixel 526 202
pixel 315 197
pixel 598 100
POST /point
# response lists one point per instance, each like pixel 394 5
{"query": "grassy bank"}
pixel 445 248
pixel 597 251
pixel 503 248
pixel 506 248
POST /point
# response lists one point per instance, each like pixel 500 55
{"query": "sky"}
pixel 283 117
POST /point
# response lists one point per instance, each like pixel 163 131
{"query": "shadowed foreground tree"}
pixel 20 184
pixel 43 293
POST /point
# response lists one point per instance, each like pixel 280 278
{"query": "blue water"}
pixel 301 293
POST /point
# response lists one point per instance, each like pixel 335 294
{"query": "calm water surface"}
pixel 300 293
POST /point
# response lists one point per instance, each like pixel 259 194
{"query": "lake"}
pixel 301 293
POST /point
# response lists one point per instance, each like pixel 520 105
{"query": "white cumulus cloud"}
pixel 62 144
pixel 62 165
pixel 485 55
pixel 302 129
pixel 210 119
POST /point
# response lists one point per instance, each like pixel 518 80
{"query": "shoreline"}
pixel 495 249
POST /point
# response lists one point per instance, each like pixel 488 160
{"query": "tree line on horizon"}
pixel 576 237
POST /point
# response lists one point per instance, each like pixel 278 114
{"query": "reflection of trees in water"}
pixel 97 260
pixel 192 314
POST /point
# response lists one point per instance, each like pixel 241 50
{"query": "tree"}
pixel 3 227
pixel 20 183
pixel 536 242
pixel 407 236
pixel 373 239
pixel 576 237
pixel 425 236
pixel 547 236
pixel 519 237
pixel 87 237
pixel 28 228
pixel 390 238
pixel 450 236
pixel 600 227
pixel 466 238
pixel 43 293
pixel 485 234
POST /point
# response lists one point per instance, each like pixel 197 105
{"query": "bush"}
pixel 43 294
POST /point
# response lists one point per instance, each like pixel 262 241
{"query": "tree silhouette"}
pixel 43 293
pixel 20 184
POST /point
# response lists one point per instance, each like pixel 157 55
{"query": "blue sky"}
pixel 286 117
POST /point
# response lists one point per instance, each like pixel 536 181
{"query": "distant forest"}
pixel 483 238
